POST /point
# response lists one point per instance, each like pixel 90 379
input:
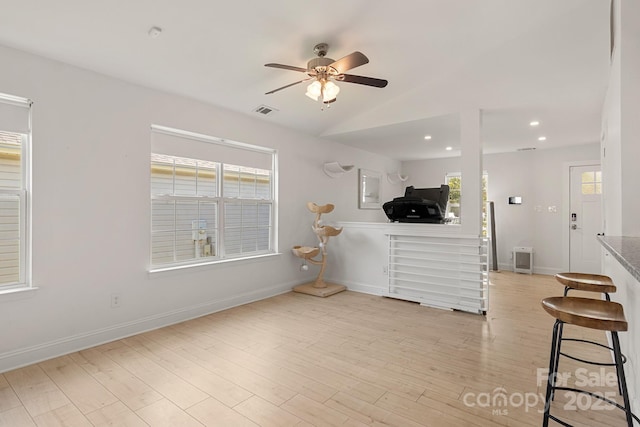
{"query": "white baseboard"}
pixel 26 356
pixel 505 266
pixel 536 270
pixel 358 287
pixel 551 271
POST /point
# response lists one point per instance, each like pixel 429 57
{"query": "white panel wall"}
pixel 627 294
pixel 621 175
pixel 91 219
pixel 537 176
pixel 629 55
pixel 611 153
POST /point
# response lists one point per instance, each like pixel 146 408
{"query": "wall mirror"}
pixel 369 189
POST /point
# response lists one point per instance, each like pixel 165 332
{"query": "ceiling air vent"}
pixel 265 110
pixel 526 149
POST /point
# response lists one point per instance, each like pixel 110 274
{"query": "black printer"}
pixel 426 205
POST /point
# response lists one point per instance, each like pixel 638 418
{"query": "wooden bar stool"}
pixel 587 282
pixel 594 314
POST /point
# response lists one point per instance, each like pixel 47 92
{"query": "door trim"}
pixel 566 206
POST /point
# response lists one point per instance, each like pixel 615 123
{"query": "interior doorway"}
pixel 585 221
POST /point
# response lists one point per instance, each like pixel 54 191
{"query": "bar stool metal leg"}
pixel 622 382
pixel 558 340
pixel 568 288
pixel 553 366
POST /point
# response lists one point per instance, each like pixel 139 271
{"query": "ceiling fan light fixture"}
pixel 330 92
pixel 327 91
pixel 314 90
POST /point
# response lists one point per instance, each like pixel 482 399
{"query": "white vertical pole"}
pixel 471 169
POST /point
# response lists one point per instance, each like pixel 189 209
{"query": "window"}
pixel 454 181
pixel 591 182
pixel 15 137
pixel 216 204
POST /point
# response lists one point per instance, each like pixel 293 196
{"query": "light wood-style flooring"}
pixel 297 360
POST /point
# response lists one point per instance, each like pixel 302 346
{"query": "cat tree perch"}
pixel 318 288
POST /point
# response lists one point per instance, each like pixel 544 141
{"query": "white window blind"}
pixel 180 143
pixel 14 184
pixel 198 217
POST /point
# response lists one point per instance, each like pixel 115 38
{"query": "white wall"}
pixel 627 294
pixel 630 101
pixel 621 175
pixel 91 210
pixel 537 176
pixel 621 127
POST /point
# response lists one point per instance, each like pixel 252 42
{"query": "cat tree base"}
pixel 329 290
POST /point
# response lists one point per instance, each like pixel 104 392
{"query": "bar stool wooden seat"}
pixel 586 282
pixel 590 283
pixel 594 314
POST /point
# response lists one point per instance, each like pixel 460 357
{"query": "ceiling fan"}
pixel 324 71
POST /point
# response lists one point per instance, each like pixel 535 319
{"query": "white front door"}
pixel 585 219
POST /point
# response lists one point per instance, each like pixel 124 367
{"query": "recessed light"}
pixel 542 138
pixel 427 137
pixel 534 123
pixel 449 148
pixel 154 32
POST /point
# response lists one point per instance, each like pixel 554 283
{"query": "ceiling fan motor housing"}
pixel 319 64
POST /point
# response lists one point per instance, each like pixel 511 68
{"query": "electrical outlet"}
pixel 116 300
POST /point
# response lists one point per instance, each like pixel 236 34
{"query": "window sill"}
pixel 16 293
pixel 210 263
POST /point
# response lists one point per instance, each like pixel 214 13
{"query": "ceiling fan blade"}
pixel 286 67
pixel 361 80
pixel 289 85
pixel 348 62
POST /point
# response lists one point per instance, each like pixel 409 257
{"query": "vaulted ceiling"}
pixel 517 60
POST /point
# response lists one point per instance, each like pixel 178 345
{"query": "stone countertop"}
pixel 626 250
